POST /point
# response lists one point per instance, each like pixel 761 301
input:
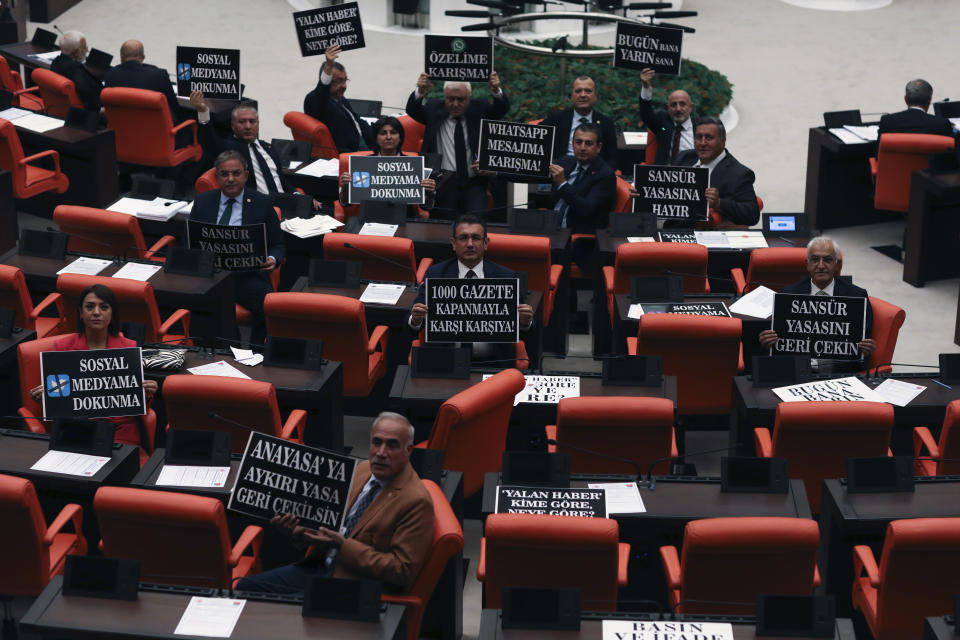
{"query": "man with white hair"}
pixel 824 262
pixel 69 64
pixel 453 131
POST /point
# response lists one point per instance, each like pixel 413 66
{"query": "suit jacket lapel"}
pixel 246 212
pixel 384 498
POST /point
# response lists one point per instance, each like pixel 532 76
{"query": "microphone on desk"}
pixel 405 267
pixel 120 258
pixel 652 482
pixel 879 376
pixel 57 28
pixel 216 416
pixel 722 603
pixel 600 454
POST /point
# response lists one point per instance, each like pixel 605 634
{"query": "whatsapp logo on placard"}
pixel 458 45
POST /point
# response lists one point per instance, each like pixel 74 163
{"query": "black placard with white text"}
pixel 215 72
pixel 640 46
pixel 237 248
pixel 819 326
pixel 685 237
pixel 395 179
pixel 717 309
pixel 469 59
pixel 98 383
pixel 585 503
pixel 318 29
pixel 472 310
pixel 278 476
pixel 672 193
pixel 516 147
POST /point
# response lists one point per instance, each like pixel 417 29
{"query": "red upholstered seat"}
pixel 143 125
pixel 190 399
pixel 58 92
pixel 15 295
pixel 28 180
pixel 734 560
pixel 638 429
pixel 532 550
pixel 772 267
pixel 32 552
pixel 392 248
pixel 530 255
pixel 818 437
pixel 887 320
pixel 175 536
pixel 926 450
pixel 918 574
pixel 107 233
pixel 24 98
pixel 471 427
pixel 342 325
pixel 308 129
pixel 702 351
pixel 412 134
pixel 899 155
pixel 207 181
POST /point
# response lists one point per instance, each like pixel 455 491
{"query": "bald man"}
pixel 133 73
pixel 673 127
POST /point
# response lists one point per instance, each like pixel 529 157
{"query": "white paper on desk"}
pixel 746 239
pixel 137 271
pixel 321 168
pixel 309 227
pixel 247 356
pixel 161 208
pixel 293 164
pixel 172 475
pixel 382 293
pixel 218 368
pixel 210 617
pixel 868 132
pixel 653 630
pixel 378 229
pixel 954 121
pixel 622 497
pixel 636 310
pixel 86 266
pixel 72 464
pixel 641 239
pixel 13 113
pixel 756 304
pixel 546 389
pixel 847 137
pixel 839 389
pixel 38 122
pixel 49 56
pixel 634 137
pixel 712 239
pixel 898 392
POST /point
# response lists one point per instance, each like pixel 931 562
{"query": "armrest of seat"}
pixel 556 270
pixel 44 154
pixel 623 559
pixel 923 438
pixel 70 513
pixel 34 425
pixel 53 298
pixel 671 565
pixel 422 269
pixel 159 244
pixel 608 279
pixel 296 422
pixel 251 537
pixel 816 576
pixel 410 601
pixel 551 431
pixel 180 315
pixel 631 346
pixel 183 125
pixel 874 168
pixel 739 280
pixel 378 337
pixel 482 561
pixel 740 364
pixel 763 442
pixel 863 560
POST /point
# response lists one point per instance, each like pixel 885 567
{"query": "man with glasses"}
pixel 824 261
pixel 326 103
pixel 470 242
pixel 673 128
pixel 233 204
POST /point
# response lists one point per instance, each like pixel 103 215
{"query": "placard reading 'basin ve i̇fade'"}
pixel 819 326
pixel 237 248
pixel 458 58
pixel 319 29
pixel 215 72
pixel 380 178
pixel 99 383
pixel 672 193
pixel 515 147
pixel 277 476
pixel 641 47
pixel 472 310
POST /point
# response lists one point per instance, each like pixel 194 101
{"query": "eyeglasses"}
pixel 465 238
pixel 828 259
pixel 236 173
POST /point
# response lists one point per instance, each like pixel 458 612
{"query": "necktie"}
pixel 677 132
pixel 364 500
pixel 361 144
pixel 822 293
pixel 562 205
pixel 460 150
pixel 227 212
pixel 263 177
pixel 583 120
pixel 470 274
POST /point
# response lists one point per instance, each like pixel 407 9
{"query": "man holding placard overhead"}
pixel 673 127
pixel 326 103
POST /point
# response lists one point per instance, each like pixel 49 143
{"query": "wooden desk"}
pixel 319 393
pixel 848 519
pixel 210 300
pixel 933 228
pixel 591 626
pixel 9 228
pixel 155 614
pixel 674 502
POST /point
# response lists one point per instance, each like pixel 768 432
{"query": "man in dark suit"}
pixel 673 127
pixel 583 96
pixel 221 207
pixel 470 242
pixel 133 72
pixel 914 119
pixel 824 262
pixel 453 131
pixel 69 64
pixel 327 104
pixel 731 192
pixel 584 187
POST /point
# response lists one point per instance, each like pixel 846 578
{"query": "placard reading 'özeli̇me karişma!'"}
pixel 98 383
pixel 472 310
pixel 215 72
pixel 469 59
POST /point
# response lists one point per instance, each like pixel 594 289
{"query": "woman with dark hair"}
pixel 388 134
pixel 98 327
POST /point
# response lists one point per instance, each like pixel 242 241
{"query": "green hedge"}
pixel 532 82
